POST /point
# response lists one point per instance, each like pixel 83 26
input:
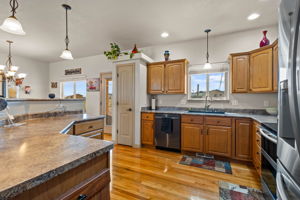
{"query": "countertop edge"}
pixel 29 184
pixel 21 100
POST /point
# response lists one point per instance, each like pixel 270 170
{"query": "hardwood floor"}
pixel 147 173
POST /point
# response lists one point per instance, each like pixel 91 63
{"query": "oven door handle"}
pixel 267 136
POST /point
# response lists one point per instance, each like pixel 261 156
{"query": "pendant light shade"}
pixel 11 24
pixel 66 54
pixel 207 65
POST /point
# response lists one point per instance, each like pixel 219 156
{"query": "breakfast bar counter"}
pixel 33 154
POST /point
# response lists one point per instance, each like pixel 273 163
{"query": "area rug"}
pixel 230 191
pixel 206 163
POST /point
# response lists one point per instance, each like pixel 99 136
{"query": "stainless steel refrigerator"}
pixel 288 145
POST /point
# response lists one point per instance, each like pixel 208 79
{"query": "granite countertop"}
pixel 258 118
pixel 35 152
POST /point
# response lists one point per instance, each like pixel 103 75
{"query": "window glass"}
pixel 217 84
pixel 80 89
pixel 68 90
pixel 198 85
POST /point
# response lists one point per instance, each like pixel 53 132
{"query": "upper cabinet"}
pixel 261 71
pixel 240 73
pixel 168 77
pixel 255 71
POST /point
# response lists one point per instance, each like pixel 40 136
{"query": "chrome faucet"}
pixel 208 101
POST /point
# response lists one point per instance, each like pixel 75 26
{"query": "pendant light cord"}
pixel 14 5
pixel 9 62
pixel 207 54
pixel 67 31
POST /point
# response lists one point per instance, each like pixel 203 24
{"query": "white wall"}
pixel 37 75
pixel 91 68
pixel 220 48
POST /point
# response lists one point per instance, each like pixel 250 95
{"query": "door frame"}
pixel 103 87
pixel 133 101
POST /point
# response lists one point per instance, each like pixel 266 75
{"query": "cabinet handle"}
pixel 82 197
pixel 90 127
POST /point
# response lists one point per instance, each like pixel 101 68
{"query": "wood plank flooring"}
pixel 147 173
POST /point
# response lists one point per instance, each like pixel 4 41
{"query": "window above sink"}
pixel 213 82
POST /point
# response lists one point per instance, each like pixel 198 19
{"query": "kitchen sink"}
pixel 207 111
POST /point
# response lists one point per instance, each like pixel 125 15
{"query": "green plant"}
pixel 114 52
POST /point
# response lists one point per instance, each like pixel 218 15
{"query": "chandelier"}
pixel 9 70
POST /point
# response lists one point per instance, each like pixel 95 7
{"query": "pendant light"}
pixel 11 24
pixel 9 70
pixel 66 54
pixel 207 65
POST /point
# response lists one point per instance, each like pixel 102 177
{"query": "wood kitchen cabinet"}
pixel 155 82
pixel 243 139
pixel 255 71
pixel 147 127
pixel 261 71
pixel 168 77
pixel 275 67
pixel 240 73
pixel 256 143
pixel 192 138
pixel 218 140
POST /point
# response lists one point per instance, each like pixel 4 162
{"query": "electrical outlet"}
pixel 234 102
pixel 266 103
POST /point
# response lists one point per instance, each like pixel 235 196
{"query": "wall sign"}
pixel 73 71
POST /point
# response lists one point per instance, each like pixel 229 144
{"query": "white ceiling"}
pixel 94 24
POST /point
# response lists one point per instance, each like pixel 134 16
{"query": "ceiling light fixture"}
pixel 66 54
pixel 164 35
pixel 11 24
pixel 207 65
pixel 253 16
pixel 9 70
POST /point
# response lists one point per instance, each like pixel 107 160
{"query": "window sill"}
pixel 214 100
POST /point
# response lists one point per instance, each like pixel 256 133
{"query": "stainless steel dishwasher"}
pixel 167 131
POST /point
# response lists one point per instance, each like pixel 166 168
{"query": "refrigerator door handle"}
pixel 280 187
pixel 292 88
pixel 284 183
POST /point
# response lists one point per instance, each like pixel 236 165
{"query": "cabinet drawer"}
pixel 93 134
pixel 96 186
pixel 192 119
pixel 88 126
pixel 148 116
pixel 218 121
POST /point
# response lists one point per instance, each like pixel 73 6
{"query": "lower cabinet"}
pixel 218 140
pixel 243 139
pixel 147 128
pixel 192 138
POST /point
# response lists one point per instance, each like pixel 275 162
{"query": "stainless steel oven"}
pixel 268 161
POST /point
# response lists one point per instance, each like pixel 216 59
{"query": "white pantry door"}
pixel 125 103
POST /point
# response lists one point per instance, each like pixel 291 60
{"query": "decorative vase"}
pixel 265 41
pixel 167 55
pixel 51 95
pixel 134 50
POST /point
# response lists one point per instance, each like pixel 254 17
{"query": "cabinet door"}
pixel 175 78
pixel 191 137
pixel 218 140
pixel 147 132
pixel 261 71
pixel 275 67
pixel 155 79
pixel 243 139
pixel 240 74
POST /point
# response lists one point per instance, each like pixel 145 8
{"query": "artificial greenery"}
pixel 115 52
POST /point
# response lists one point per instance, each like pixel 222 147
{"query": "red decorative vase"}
pixel 265 41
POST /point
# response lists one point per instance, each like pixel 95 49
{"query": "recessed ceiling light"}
pixel 164 35
pixel 253 16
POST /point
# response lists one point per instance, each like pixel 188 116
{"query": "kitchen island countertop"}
pixel 34 153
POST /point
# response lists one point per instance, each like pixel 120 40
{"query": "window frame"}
pixel 74 88
pixel 226 86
